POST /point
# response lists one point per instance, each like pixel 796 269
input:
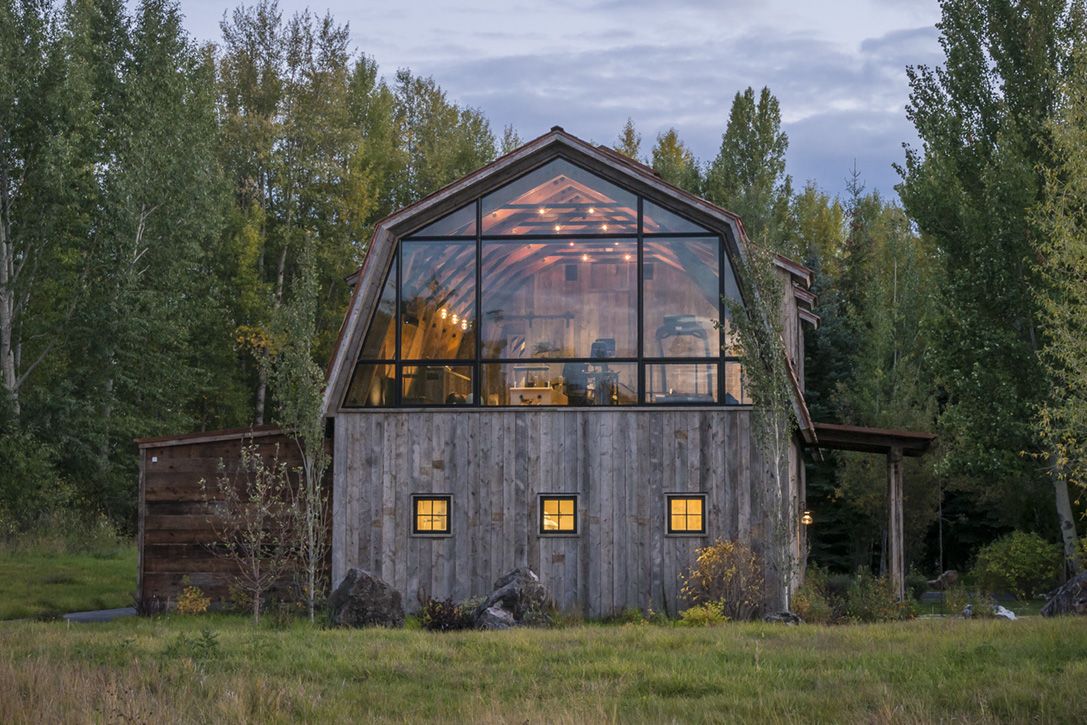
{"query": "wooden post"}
pixel 896 559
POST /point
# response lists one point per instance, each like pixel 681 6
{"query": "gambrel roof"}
pixel 557 143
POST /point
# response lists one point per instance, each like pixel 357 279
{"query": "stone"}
pixel 1001 612
pixel 945 581
pixel 783 618
pixel 364 600
pixel 1070 598
pixel 968 611
pixel 495 618
pixel 519 594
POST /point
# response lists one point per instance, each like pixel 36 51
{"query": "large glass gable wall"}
pixel 558 289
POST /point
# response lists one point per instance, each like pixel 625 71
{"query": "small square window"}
pixel 686 514
pixel 558 514
pixel 430 515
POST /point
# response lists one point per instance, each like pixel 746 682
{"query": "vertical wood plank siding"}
pixel 495 464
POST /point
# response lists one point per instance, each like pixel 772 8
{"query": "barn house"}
pixel 537 369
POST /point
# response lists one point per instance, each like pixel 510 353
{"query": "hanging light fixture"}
pixel 807 519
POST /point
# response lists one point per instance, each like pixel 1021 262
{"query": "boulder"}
pixel 520 595
pixel 945 581
pixel 1071 598
pixel 783 618
pixel 1002 612
pixel 495 618
pixel 364 600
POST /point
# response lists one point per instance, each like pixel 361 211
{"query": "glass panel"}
pixel 373 385
pixel 560 198
pixel 432 515
pixel 380 341
pixel 437 297
pixel 543 383
pixel 461 223
pixel 572 298
pixel 658 220
pixel 681 298
pixel 735 392
pixel 437 385
pixel 681 383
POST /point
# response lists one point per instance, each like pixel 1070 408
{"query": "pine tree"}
pixel 629 143
pixel 676 163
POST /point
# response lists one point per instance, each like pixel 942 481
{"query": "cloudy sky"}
pixel 837 66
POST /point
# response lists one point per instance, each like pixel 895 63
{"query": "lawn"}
pixel 221 669
pixel 38 583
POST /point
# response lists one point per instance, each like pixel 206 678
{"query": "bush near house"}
pixel 728 573
pixel 1021 563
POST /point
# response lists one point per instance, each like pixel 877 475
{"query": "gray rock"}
pixel 1001 612
pixel 364 600
pixel 1071 598
pixel 968 611
pixel 945 581
pixel 783 618
pixel 520 595
pixel 495 618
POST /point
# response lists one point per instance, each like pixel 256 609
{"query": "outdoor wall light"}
pixel 807 519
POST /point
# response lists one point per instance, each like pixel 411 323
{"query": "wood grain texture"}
pixel 495 464
pixel 175 531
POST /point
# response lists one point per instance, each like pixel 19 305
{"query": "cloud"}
pixel 839 104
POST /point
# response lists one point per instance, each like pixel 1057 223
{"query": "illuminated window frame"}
pixel 673 498
pixel 416 514
pixel 572 518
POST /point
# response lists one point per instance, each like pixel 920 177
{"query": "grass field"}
pixel 40 583
pixel 220 669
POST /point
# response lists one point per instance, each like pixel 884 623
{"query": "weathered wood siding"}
pixel 495 463
pixel 175 533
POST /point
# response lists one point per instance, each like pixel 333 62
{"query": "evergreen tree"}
pixel 982 119
pixel 629 143
pixel 676 163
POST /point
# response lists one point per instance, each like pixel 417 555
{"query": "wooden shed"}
pixel 176 514
pixel 537 369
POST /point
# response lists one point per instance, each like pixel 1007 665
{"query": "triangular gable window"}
pixel 461 223
pixel 559 198
pixel 658 220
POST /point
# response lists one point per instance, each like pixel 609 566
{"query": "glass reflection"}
pixel 438 298
pixel 538 383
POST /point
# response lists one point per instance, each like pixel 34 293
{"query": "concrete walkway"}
pixel 100 615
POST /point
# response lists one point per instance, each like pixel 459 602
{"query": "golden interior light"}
pixel 592 210
pixel 444 313
pixel 807 519
pixel 685 514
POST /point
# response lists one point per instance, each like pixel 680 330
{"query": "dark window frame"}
pixel 668 498
pixel 542 497
pixel 430 533
pixel 721 360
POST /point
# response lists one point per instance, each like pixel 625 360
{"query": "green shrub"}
pixel 727 573
pixel 955 599
pixel 873 599
pixel 630 615
pixel 439 615
pixel 1021 563
pixel 812 602
pixel 192 600
pixel 703 615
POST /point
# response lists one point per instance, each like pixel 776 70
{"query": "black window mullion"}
pixel 398 383
pixel 723 311
pixel 477 385
pixel 641 311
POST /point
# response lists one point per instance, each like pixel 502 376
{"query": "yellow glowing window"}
pixel 431 515
pixel 558 514
pixel 686 515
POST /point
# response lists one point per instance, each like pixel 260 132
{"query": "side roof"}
pixel 604 162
